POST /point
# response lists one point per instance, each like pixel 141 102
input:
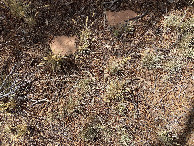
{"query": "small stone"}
pixel 115 18
pixel 63 45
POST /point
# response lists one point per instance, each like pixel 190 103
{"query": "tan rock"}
pixel 63 45
pixel 115 18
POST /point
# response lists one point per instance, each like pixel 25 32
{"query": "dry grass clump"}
pixel 14 89
pixel 152 61
pixel 53 60
pixel 21 9
pixel 85 36
pixel 180 51
pixel 114 90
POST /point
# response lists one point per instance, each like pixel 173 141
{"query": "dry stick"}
pixel 182 90
pixel 13 69
pixel 111 3
pixel 137 17
pixel 134 18
pixel 168 93
pixel 40 101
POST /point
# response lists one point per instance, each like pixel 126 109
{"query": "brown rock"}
pixel 115 18
pixel 63 45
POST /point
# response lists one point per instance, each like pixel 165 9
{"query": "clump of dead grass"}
pixel 21 9
pixel 53 60
pixel 180 52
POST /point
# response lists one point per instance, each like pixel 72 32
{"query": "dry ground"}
pixel 129 84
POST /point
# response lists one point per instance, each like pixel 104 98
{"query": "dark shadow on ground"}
pixel 56 18
pixel 186 134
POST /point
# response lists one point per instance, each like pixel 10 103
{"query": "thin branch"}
pixel 112 4
pixel 39 101
pixel 11 72
pixel 138 17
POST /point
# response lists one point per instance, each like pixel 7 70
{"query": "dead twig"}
pixel 138 17
pixel 112 5
pixel 39 101
pixel 6 78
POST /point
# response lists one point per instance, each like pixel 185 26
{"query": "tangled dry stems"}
pixel 112 92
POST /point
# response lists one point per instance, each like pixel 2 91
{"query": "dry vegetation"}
pixel 127 84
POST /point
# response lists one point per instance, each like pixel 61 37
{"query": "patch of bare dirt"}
pixel 63 45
